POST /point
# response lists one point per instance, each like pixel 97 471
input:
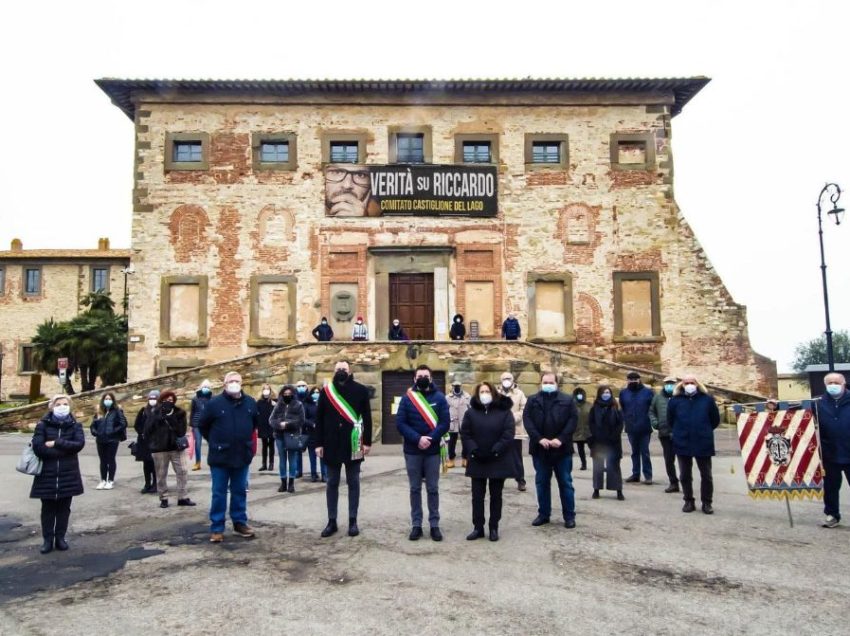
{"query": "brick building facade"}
pixel 260 207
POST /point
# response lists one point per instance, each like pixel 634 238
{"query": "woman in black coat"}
pixel 57 440
pixel 143 451
pixel 458 330
pixel 606 442
pixel 487 433
pixel 109 429
pixel 265 406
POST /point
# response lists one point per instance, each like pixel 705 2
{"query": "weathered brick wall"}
pixel 211 223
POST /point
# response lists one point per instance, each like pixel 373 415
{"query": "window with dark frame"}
pixel 99 279
pixel 344 151
pixel 32 281
pixel 187 151
pixel 476 152
pixel 410 148
pixel 274 151
pixel 27 359
pixel 545 152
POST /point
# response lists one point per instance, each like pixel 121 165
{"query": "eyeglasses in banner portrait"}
pixel 411 190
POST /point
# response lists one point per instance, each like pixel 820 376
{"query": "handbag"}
pixel 29 463
pixel 134 448
pixel 182 443
pixel 295 442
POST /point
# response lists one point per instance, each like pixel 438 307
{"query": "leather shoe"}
pixel 330 529
pixel 186 502
pixel 353 530
pixel 436 535
pixel 672 488
pixel 494 534
pixel 706 508
pixel 415 533
pixel 163 503
pixel 633 479
pixel 689 506
pixel 540 520
pixel 47 546
pixel 476 533
pixel 595 494
pixel 620 496
pixel 61 544
pixel 521 486
pixel 570 523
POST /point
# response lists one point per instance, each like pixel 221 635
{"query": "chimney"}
pixel 103 244
pixel 17 246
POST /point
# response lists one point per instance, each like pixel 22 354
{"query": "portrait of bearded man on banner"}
pixel 348 191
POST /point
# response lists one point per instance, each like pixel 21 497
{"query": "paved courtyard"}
pixel 639 566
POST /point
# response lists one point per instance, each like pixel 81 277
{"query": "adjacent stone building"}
pixel 37 285
pixel 261 206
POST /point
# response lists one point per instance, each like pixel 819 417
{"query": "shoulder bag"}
pixel 29 463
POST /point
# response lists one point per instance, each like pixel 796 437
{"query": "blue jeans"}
pixel 234 480
pixel 285 457
pixel 196 433
pixel 563 469
pixel 640 454
pixel 311 451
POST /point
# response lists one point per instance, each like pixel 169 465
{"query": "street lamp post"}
pixel 127 271
pixel 836 212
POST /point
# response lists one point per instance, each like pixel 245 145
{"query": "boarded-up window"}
pixel 631 152
pixel 479 306
pixel 636 305
pixel 549 310
pixel 184 307
pixel 273 311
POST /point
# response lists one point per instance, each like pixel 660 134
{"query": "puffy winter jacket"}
pixel 60 472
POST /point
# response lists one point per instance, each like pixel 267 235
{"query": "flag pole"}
pixel 788 505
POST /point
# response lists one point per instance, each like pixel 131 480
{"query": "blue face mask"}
pixel 834 389
pixel 606 397
pixel 107 404
pixel 549 388
pixel 301 390
pixel 206 390
pixel 315 397
pixel 669 388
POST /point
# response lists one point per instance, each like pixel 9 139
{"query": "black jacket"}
pixel 323 333
pixel 397 333
pixel 198 403
pixel 309 418
pixel 60 472
pixel 143 451
pixel 265 406
pixel 333 431
pixel 162 431
pixel 549 416
pixel 111 427
pixel 458 330
pixel 487 434
pixel 228 424
pixel 287 418
pixel 606 429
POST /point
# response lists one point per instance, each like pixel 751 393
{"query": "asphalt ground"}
pixel 639 566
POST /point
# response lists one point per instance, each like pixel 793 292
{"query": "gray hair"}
pixel 232 374
pixel 59 396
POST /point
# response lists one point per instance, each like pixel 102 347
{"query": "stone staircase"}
pixel 471 361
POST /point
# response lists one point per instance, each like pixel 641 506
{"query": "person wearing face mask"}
pixel 109 429
pixel 606 442
pixel 692 415
pixel 510 328
pixel 359 332
pixel 397 332
pixel 343 438
pixel 265 406
pixel 323 331
pixel 199 401
pixel 423 419
pixel 166 424
pixel 582 424
pixel 143 451
pixel 458 329
pixel 309 399
pixel 287 420
pixel 487 433
pixel 550 418
pixel 228 424
pixel 458 401
pixel 833 416
pixel 658 419
pixel 635 401
pixel 57 441
pixel 508 388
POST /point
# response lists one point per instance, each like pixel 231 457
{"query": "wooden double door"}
pixel 412 302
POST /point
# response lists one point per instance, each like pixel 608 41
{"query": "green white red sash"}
pixel 349 415
pixel 425 410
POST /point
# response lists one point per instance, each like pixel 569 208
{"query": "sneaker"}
pixel 672 488
pixel 633 479
pixel 243 530
pixel 196 466
pixel 689 506
pixel 830 522
pixel 100 486
pixel 216 537
pixel 109 485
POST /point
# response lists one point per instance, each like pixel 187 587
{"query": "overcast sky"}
pixel 752 150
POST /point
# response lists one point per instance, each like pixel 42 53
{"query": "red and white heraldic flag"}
pixel 780 454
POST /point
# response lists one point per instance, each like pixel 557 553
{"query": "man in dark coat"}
pixel 635 401
pixel 510 328
pixel 658 419
pixel 693 415
pixel 323 332
pixel 228 423
pixel 833 413
pixel 199 401
pixel 423 419
pixel 343 437
pixel 550 418
pixel 397 332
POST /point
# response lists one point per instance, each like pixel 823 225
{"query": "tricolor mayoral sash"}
pixel 780 454
pixel 425 410
pixel 349 415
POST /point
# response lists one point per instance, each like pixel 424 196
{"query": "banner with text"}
pixel 415 190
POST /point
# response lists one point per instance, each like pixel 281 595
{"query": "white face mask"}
pixel 62 410
pixel 690 389
pixel 485 398
pixel 266 393
pixel 507 383
pixel 152 402
pixel 234 388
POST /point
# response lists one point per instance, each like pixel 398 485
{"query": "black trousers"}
pixel 54 517
pixel 268 451
pixel 479 489
pixel 669 459
pixel 107 451
pixel 453 446
pixel 520 467
pixel 149 469
pixel 580 450
pixel 686 468
pixel 832 486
